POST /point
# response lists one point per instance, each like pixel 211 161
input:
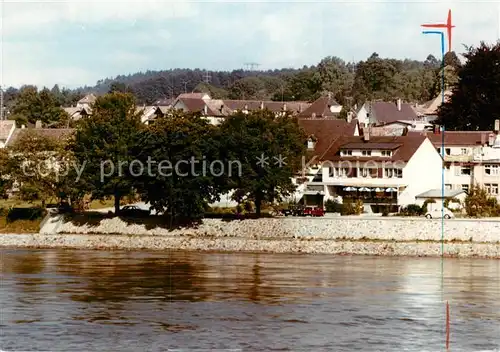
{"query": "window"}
pixel 347 152
pixel 367 152
pixel 447 167
pixel 398 173
pixel 464 151
pixel 388 173
pixel 447 186
pixel 310 144
pixel 465 170
pixel 447 151
pixel 364 172
pixel 331 171
pixel 386 153
pixel 491 188
pixel 341 172
pixel 465 188
pixel 438 150
pixel 491 170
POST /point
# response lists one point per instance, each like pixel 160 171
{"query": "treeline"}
pixel 178 165
pixel 374 78
pixel 474 106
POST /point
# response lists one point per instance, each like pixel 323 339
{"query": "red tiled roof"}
pixel 460 138
pixel 408 145
pixel 6 127
pixel 191 95
pixel 274 106
pixel 384 112
pixel 320 108
pixel 326 131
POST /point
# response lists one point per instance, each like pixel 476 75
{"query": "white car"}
pixel 438 214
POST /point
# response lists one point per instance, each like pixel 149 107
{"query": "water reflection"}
pixel 92 300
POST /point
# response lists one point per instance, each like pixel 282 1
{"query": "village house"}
pixel 471 158
pixel 323 107
pixel 7 128
pixel 377 113
pixel 428 110
pixel 386 173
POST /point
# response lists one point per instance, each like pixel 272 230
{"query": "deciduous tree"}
pixel 104 145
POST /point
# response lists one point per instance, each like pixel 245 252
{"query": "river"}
pixel 75 300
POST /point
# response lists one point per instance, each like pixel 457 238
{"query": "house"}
pixel 471 158
pixel 381 112
pixel 436 196
pixel 429 109
pixel 7 128
pixel 385 172
pixel 323 107
pixel 82 109
pixel 53 133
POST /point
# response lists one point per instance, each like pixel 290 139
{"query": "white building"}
pixel 471 158
pixel 384 172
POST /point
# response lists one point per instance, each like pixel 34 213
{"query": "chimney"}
pixel 262 105
pixel 284 107
pixel 246 107
pixel 205 110
pixel 497 126
pixel 38 124
pixel 349 117
pixel 313 115
pixel 366 134
pixel 398 102
pixel 23 126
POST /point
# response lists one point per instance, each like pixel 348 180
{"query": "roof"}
pixel 403 147
pixel 192 96
pixel 274 106
pixel 384 112
pixel 216 107
pixel 321 108
pixel 460 138
pixel 326 131
pixel 55 133
pixel 364 145
pixel 430 107
pixel 438 193
pixel 6 127
pixel 88 99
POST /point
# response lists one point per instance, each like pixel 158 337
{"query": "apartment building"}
pixel 471 158
pixel 386 173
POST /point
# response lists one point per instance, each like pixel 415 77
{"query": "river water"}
pixel 68 300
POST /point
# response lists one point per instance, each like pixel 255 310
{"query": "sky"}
pixel 74 43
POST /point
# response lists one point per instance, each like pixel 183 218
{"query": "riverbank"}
pixel 394 237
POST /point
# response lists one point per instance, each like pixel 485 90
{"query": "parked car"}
pixel 438 213
pixel 134 211
pixel 314 211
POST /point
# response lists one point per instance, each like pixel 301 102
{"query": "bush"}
pixel 34 213
pixel 352 208
pixel 412 210
pixel 480 204
pixel 332 206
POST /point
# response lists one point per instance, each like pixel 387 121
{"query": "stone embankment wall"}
pixel 407 237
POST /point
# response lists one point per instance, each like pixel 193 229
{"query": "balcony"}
pixel 458 158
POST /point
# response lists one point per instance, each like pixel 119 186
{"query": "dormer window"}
pixel 311 142
pixel 346 152
pixel 366 152
pixel 386 153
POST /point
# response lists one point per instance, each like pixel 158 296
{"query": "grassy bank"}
pixel 19 226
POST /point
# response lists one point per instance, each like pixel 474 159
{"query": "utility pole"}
pixel 206 77
pixel 1 103
pixel 251 66
pixel 185 85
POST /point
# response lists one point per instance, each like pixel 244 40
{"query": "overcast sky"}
pixel 73 43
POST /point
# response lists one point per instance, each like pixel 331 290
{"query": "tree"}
pixel 474 104
pixel 335 77
pixel 451 59
pixel 40 166
pixel 184 173
pixel 31 105
pixel 104 145
pixel 256 136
